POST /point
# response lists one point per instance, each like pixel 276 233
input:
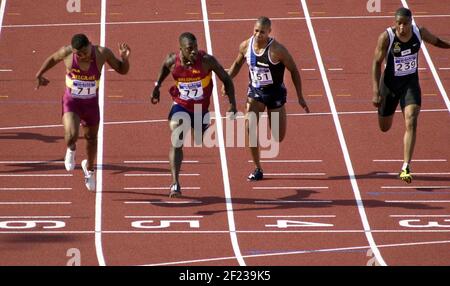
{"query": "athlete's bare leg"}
pixel 175 155
pixel 90 134
pixel 253 108
pixel 411 115
pixel 71 123
pixel 385 122
pixel 278 131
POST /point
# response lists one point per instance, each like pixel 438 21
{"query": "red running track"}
pixel 304 213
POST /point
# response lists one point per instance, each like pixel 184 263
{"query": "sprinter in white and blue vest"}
pixel 266 59
pixel 399 46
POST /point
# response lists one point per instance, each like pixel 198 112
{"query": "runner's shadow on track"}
pixel 30 136
pixel 268 205
pixel 49 166
pixel 371 175
pixel 40 238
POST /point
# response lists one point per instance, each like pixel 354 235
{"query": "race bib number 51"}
pixel 84 89
pixel 260 76
pixel 405 65
pixel 191 90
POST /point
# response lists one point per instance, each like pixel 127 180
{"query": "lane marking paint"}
pixel 159 188
pixel 2 13
pixel 432 67
pixel 163 202
pixel 36 175
pixel 35 203
pixel 341 137
pixel 214 20
pixel 419 201
pixel 158 162
pixel 292 202
pixel 288 161
pixel 165 120
pixel 415 187
pixel 159 175
pixel 163 216
pixel 100 137
pixel 288 188
pixel 35 189
pixel 414 160
pixel 223 156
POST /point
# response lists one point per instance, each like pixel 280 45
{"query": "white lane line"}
pixel 292 202
pixel 100 137
pixel 223 155
pixel 414 160
pixel 31 162
pixel 308 69
pixel 165 120
pixel 341 137
pixel 415 187
pixel 159 175
pixel 342 249
pixel 433 68
pixel 414 173
pixel 38 217
pixel 336 69
pixel 163 216
pixel 418 201
pixel 35 189
pixel 207 232
pixel 288 161
pixel 444 69
pixel 2 13
pixel 419 215
pixel 293 216
pixel 36 175
pixel 35 203
pixel 158 188
pixel 289 188
pixel 158 162
pixel 214 20
pixel 295 174
pixel 163 202
pixel 6 70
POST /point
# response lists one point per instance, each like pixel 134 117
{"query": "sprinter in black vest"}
pixel 266 59
pixel 399 46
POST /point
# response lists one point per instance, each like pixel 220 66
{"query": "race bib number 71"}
pixel 84 89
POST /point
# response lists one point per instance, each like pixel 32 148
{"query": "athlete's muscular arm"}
pixel 380 55
pixel 283 55
pixel 225 78
pixel 120 66
pixel 240 59
pixel 166 67
pixel 50 62
pixel 428 37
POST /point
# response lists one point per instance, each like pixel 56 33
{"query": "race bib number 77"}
pixel 191 90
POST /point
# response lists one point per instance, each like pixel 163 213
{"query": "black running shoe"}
pixel 256 175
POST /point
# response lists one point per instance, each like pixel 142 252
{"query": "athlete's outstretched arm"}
pixel 120 66
pixel 428 37
pixel 239 61
pixel 286 58
pixel 380 55
pixel 225 78
pixel 50 62
pixel 169 61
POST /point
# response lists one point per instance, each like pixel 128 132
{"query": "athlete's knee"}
pixel 411 122
pixel 91 138
pixel 71 137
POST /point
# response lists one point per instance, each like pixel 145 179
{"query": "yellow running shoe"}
pixel 406 176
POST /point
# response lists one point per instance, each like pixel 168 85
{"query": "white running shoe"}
pixel 69 160
pixel 89 176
